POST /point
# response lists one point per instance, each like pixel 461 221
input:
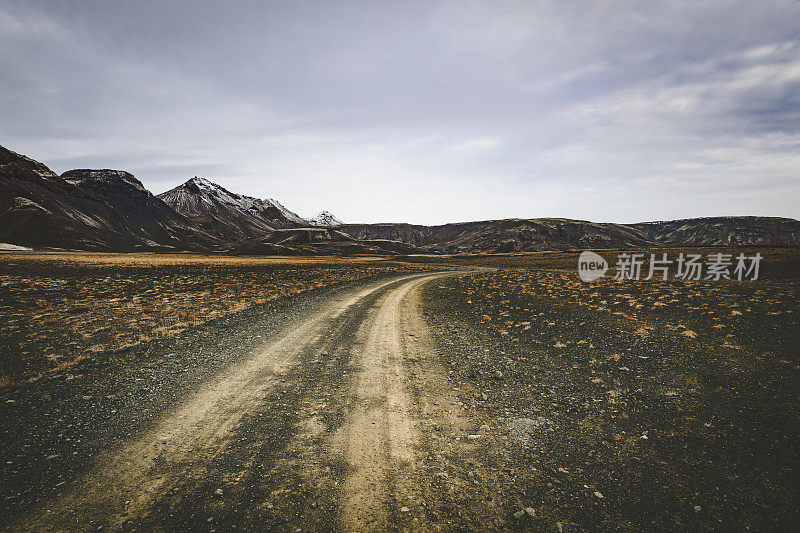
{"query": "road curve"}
pixel 345 460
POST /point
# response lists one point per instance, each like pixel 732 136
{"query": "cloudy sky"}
pixel 425 112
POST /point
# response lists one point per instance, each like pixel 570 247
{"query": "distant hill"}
pixel 529 235
pixel 750 231
pixel 504 236
pixel 318 241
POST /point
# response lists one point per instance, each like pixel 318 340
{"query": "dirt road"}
pixel 344 454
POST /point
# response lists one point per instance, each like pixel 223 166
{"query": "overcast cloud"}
pixel 425 112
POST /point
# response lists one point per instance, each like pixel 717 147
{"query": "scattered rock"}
pixel 523 429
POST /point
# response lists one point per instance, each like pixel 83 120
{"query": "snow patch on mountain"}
pixel 325 218
pixel 80 176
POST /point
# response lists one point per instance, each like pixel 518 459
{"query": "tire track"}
pixel 379 441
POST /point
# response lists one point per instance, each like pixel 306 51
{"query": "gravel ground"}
pixel 607 420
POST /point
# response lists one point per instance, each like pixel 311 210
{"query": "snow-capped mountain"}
pixel 227 215
pixel 325 218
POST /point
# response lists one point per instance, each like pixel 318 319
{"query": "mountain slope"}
pixel 227 215
pixel 749 231
pixel 511 235
pixel 527 235
pixel 104 210
pixel 318 241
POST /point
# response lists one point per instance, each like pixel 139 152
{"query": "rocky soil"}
pixel 623 405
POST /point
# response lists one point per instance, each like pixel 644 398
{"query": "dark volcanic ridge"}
pixel 110 210
pixel 87 210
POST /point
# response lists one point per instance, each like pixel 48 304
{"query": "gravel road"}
pixel 300 414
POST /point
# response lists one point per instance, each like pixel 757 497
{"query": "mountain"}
pixel 317 241
pixel 226 215
pixel 110 210
pixel 529 235
pixel 503 236
pixel 325 218
pixel 735 231
pixel 105 210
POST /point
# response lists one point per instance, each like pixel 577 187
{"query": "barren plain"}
pixel 211 393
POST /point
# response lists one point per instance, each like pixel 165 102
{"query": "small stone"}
pixel 530 511
pixel 697 508
pixel 218 492
pixel 404 509
pixel 519 514
pixel 598 494
pixel 498 374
